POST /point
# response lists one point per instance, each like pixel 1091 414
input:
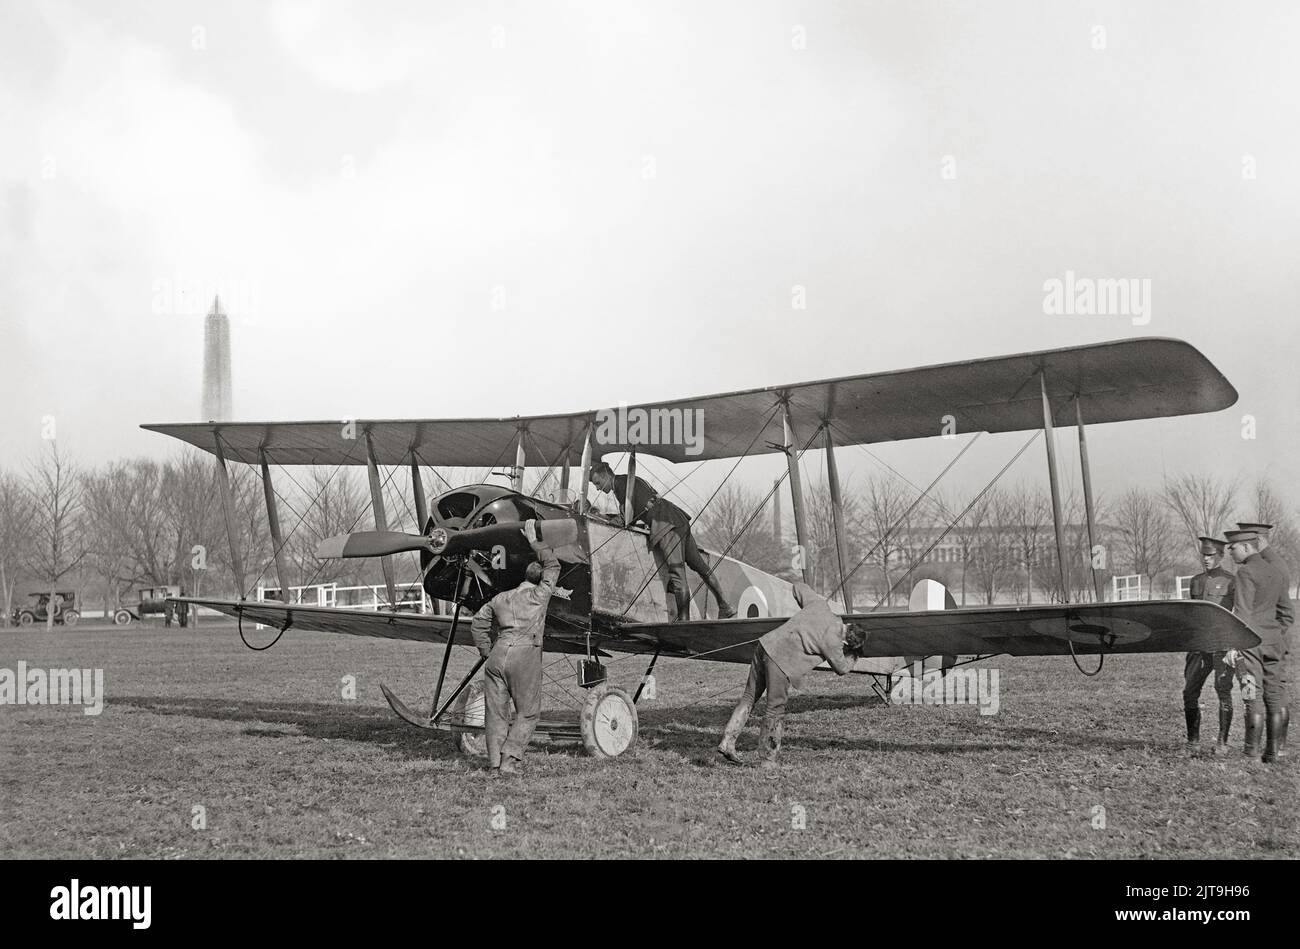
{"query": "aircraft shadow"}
pixel 695 731
pixel 326 721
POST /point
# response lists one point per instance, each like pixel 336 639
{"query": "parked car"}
pixel 153 602
pixel 65 609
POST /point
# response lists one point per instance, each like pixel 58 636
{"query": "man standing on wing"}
pixel 514 661
pixel 781 659
pixel 670 540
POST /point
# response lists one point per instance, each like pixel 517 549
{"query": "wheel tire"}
pixel 122 618
pixel 70 617
pixel 26 619
pixel 608 722
pixel 470 708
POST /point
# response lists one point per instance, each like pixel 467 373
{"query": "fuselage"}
pixel 608 576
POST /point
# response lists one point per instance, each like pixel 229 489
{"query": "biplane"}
pixel 610 598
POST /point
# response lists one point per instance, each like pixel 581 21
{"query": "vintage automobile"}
pixel 65 609
pixel 153 602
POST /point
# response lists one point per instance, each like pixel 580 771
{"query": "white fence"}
pixel 374 597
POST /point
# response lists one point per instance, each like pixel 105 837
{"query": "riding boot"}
pixel 770 743
pixel 725 609
pixel 727 747
pixel 1254 725
pixel 1275 745
pixel 1225 728
pixel 1193 717
pixel 683 598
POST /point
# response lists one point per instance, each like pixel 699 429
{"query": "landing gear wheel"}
pixel 471 709
pixel 122 618
pixel 70 617
pixel 608 722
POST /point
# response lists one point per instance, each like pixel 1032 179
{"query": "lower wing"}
pixel 417 627
pixel 1085 629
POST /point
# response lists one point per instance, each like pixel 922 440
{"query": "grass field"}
pixel 282 765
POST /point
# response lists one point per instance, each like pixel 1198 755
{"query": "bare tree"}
pixel 55 487
pixel 333 505
pixel 991 551
pixel 885 503
pixel 1270 508
pixel 967 531
pixel 1202 503
pixel 1145 534
pixel 15 537
pixel 725 520
pixel 1028 513
pixel 108 529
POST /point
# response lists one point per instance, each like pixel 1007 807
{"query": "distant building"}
pixel 217 400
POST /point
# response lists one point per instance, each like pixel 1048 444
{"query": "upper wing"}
pixel 1130 627
pixel 1115 381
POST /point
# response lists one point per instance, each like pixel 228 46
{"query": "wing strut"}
pixel 1050 437
pixel 228 509
pixel 796 491
pixel 583 503
pixel 837 520
pixel 421 502
pixel 381 517
pixel 451 641
pixel 273 522
pixel 1087 500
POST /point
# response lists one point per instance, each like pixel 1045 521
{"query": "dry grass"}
pixel 284 766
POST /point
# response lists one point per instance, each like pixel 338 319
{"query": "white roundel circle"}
pixel 752 604
pixel 608 722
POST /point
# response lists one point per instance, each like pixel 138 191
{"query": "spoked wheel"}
pixel 471 709
pixel 121 618
pixel 608 722
pixel 70 617
pixel 25 619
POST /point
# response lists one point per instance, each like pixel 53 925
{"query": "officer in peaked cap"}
pixel 1215 585
pixel 1266 548
pixel 1260 599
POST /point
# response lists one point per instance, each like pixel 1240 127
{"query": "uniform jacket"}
pixel 1271 555
pixel 519 615
pixel 802 642
pixel 643 496
pixel 1261 600
pixel 659 514
pixel 1214 585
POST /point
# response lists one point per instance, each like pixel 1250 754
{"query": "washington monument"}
pixel 216 365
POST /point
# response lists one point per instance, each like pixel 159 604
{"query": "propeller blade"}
pixel 554 533
pixel 370 544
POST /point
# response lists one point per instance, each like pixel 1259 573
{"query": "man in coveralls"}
pixel 514 661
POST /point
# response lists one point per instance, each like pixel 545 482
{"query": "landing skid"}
pixel 405 714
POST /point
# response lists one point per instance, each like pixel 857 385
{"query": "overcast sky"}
pixel 460 209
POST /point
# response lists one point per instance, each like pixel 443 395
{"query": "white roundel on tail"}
pixel 930 595
pixel 752 603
